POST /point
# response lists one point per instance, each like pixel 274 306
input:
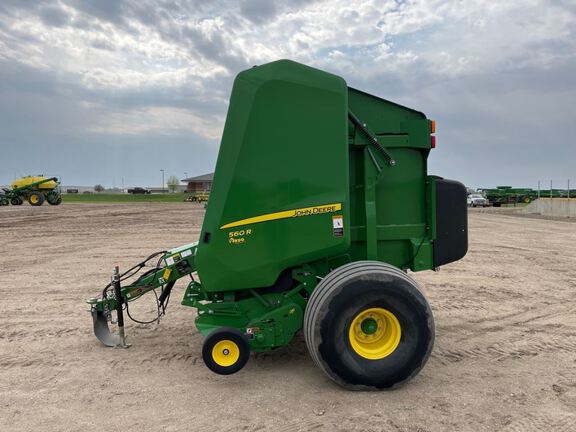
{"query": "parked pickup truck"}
pixel 477 200
pixel 138 190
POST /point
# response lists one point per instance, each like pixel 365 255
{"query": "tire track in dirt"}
pixel 301 426
pixel 9 361
pixel 514 349
pixel 14 335
pixel 540 422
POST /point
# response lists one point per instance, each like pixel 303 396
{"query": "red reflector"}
pixel 432 141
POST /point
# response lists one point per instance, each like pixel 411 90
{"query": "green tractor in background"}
pixel 34 189
pixel 321 204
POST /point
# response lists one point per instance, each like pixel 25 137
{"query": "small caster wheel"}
pixel 225 351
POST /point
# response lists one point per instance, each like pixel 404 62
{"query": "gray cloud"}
pixel 9 6
pixel 104 44
pixel 45 127
pixel 86 83
pixel 258 11
pixel 104 10
pixel 52 15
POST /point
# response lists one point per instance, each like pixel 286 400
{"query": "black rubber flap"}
pixel 451 242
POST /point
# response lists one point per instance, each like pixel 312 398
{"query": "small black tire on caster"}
pixel 225 351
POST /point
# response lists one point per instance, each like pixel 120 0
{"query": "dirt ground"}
pixel 504 359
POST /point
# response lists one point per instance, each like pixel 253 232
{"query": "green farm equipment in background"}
pixel 554 193
pixel 508 195
pixel 321 203
pixel 34 189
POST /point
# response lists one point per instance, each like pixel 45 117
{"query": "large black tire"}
pixel 225 351
pixel 54 198
pixel 346 294
pixel 36 199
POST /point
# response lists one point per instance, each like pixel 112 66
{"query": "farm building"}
pixel 199 183
pixel 165 189
pixel 75 189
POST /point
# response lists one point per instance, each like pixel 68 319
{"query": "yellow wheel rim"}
pixel 34 199
pixel 374 333
pixel 225 353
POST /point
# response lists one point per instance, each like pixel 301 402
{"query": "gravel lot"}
pixel 504 359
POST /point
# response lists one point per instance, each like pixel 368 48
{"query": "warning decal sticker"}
pixel 338 225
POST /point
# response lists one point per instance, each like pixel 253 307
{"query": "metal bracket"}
pixel 372 139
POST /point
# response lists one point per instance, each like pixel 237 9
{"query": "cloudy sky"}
pixel 105 91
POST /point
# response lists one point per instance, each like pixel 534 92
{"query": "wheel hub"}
pixel 369 326
pixel 225 353
pixel 375 333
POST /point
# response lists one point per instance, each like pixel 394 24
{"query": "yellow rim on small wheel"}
pixel 34 199
pixel 375 333
pixel 225 353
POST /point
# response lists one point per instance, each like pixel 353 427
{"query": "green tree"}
pixel 99 188
pixel 173 183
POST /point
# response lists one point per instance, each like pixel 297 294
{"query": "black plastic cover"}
pixel 451 242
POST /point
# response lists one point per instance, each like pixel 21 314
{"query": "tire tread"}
pixel 325 290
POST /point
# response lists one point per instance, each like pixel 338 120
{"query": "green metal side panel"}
pixel 404 225
pixel 284 147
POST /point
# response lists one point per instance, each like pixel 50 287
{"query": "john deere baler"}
pixel 321 203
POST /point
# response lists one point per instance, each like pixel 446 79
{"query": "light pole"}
pixel 185 174
pixel 162 180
